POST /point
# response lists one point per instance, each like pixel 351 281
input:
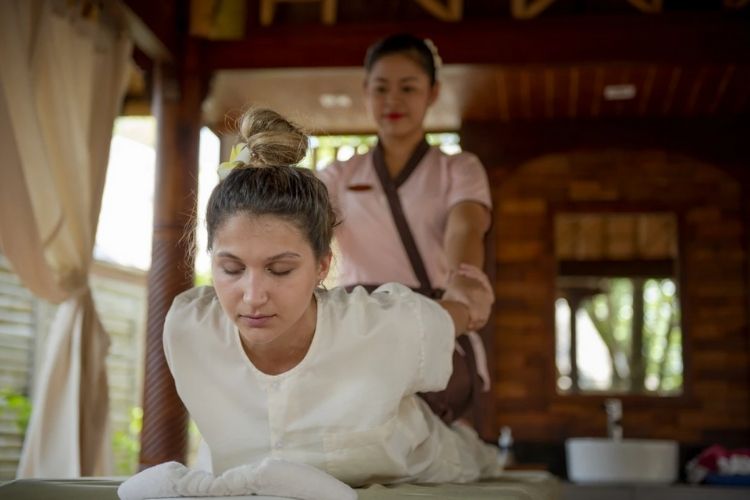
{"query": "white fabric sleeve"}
pixel 438 340
pixel 184 310
pixel 468 181
pixel 420 337
pixel 169 332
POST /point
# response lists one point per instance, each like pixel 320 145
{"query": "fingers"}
pixel 473 289
pixel 481 295
pixel 473 272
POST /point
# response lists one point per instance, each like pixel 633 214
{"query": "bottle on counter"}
pixel 505 443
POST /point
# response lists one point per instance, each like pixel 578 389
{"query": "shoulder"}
pixel 458 165
pixel 389 303
pixel 463 160
pixel 192 309
pixel 202 298
pixel 385 296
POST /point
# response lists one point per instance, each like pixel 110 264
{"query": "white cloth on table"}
pixel 271 477
pixel 348 408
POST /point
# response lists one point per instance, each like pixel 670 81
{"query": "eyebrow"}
pixel 274 258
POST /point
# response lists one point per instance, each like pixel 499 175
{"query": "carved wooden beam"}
pixel 327 10
pixel 153 28
pixel 647 6
pixel 218 19
pixel 528 9
pixel 451 10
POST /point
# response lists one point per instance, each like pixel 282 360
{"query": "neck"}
pixel 397 150
pixel 287 351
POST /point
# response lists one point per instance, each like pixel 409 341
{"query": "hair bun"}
pixel 271 139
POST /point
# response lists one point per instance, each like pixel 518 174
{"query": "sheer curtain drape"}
pixel 62 80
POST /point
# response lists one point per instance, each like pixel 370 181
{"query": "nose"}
pixel 254 289
pixel 391 96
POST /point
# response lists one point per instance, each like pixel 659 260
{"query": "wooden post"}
pixel 177 107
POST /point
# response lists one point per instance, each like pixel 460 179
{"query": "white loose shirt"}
pixel 348 408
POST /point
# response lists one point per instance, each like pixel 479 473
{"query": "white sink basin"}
pixel 600 460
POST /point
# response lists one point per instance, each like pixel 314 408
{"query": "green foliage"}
pixel 645 353
pixel 16 404
pixel 325 149
pixel 202 279
pixel 126 444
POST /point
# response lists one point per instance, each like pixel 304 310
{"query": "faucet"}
pixel 613 408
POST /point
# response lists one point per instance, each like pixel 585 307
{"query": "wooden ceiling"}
pixel 497 93
pixel 578 60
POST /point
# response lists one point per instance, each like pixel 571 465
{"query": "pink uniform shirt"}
pixel 371 251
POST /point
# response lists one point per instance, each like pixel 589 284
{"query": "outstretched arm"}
pixel 479 303
pixel 459 313
pixel 468 221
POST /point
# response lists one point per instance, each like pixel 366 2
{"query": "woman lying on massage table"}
pixel 269 364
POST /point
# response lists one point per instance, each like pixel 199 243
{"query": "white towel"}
pixel 271 477
pixel 480 358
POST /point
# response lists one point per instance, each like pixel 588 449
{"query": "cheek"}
pixel 221 282
pixel 226 290
pixel 420 102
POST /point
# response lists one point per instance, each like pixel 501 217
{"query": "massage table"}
pixel 515 485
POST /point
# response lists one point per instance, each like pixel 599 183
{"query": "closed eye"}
pixel 279 272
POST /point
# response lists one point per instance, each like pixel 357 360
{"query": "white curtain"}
pixel 62 79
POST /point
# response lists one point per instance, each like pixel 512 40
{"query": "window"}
pixel 617 309
pixel 325 149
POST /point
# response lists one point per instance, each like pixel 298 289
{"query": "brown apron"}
pixel 464 385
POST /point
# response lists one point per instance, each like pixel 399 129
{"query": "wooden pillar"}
pixel 177 106
pixel 745 197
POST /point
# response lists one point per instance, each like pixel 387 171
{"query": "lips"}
pixel 394 116
pixel 255 320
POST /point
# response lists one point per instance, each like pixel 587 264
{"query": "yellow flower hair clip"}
pixel 239 157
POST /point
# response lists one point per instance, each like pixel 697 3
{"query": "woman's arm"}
pixel 468 221
pixel 459 313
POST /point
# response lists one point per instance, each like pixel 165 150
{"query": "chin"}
pixel 255 337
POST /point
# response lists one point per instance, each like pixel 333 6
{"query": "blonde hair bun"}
pixel 271 139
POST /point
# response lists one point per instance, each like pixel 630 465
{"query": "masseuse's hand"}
pixel 470 286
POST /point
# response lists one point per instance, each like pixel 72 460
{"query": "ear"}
pixel 434 93
pixel 324 265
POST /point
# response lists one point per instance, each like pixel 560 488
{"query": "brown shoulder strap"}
pixel 390 189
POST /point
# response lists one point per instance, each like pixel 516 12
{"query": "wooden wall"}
pixel 536 170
